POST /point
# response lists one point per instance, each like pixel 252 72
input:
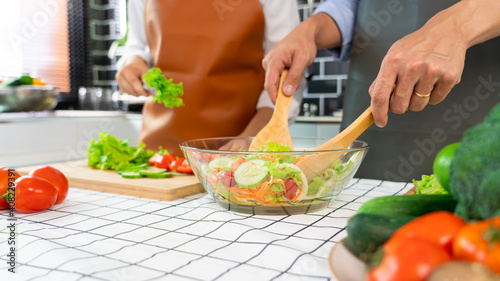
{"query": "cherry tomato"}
pixel 162 160
pixel 409 259
pixel 438 227
pixel 56 178
pixel 291 188
pixel 202 158
pixel 155 158
pixel 237 162
pixel 479 242
pixel 34 194
pixel 6 176
pixel 185 168
pixel 226 178
pixel 176 163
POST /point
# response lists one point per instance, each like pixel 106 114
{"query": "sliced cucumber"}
pixel 249 175
pixel 159 175
pixel 131 175
pixel 153 172
pixel 221 163
pixel 258 162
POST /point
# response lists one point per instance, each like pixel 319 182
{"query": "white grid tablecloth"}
pixel 103 236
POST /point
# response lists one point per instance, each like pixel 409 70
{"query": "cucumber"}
pixel 367 232
pixel 409 205
pixel 159 175
pixel 258 161
pixel 249 175
pixel 154 172
pixel 151 170
pixel 131 175
pixel 221 163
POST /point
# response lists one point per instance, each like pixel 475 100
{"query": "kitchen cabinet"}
pixel 316 126
pixel 46 137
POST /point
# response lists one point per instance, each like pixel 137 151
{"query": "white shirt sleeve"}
pixel 281 17
pixel 137 43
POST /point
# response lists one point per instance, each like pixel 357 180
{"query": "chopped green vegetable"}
pixel 273 146
pixel 131 175
pixel 110 153
pixel 475 170
pixel 167 92
pixel 429 184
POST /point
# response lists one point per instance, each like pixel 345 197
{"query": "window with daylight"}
pixel 34 40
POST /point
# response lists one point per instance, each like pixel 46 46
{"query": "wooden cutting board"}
pixel 80 175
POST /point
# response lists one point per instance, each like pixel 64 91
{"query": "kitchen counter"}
pixel 103 236
pixel 57 114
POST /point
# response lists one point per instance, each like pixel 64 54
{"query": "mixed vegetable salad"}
pixel 110 153
pixel 269 179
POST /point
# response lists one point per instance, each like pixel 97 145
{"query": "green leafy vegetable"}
pixel 315 186
pixel 273 146
pixel 429 184
pixel 110 153
pixel 167 92
pixel 475 170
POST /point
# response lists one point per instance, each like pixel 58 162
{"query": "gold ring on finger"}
pixel 420 95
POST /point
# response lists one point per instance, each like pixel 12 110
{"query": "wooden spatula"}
pixel 314 164
pixel 277 128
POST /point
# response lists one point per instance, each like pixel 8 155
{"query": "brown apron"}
pixel 215 49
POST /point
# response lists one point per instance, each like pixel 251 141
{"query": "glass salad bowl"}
pixel 270 182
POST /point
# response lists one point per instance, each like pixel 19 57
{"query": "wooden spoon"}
pixel 277 128
pixel 314 164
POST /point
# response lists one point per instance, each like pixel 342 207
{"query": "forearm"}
pixel 259 120
pixel 323 30
pixel 471 21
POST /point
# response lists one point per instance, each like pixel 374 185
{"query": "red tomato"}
pixel 237 162
pixel 408 259
pixel 479 242
pixel 226 178
pixel 291 188
pixel 6 176
pixel 202 158
pixel 155 158
pixel 185 168
pixel 176 163
pixel 162 160
pixel 437 227
pixel 34 194
pixel 56 178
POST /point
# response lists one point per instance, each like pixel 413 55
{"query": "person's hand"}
pixel 297 51
pixel 129 78
pixel 424 66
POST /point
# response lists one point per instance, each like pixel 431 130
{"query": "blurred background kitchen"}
pixel 74 45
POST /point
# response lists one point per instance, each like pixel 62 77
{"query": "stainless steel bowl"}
pixel 28 98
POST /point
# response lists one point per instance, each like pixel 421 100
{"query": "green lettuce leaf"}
pixel 428 185
pixel 110 153
pixel 167 92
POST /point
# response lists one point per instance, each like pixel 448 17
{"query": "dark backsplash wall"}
pixel 326 77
